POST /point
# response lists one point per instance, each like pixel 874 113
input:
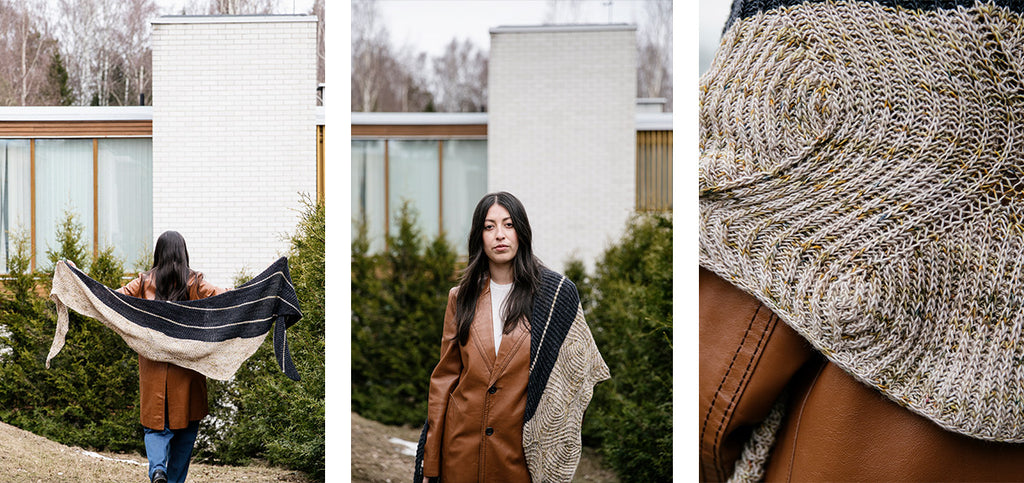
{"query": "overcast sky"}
pixel 172 7
pixel 713 14
pixel 428 26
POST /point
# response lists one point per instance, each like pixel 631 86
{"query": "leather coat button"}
pixel 489 431
pixel 492 390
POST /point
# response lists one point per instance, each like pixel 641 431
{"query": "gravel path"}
pixel 376 458
pixel 27 457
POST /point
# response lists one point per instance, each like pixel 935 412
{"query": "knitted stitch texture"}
pixel 751 464
pixel 862 174
pixel 565 365
pixel 212 336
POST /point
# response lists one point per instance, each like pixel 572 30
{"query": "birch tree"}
pixel 26 49
pixel 460 77
pixel 318 10
pixel 384 79
pixel 106 44
pixel 654 51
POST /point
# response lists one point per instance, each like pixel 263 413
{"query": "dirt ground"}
pixel 375 459
pixel 26 457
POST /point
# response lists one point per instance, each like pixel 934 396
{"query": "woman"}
pixel 173 398
pixel 515 354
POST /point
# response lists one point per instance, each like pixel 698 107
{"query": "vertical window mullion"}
pixel 440 185
pixel 32 190
pixel 95 198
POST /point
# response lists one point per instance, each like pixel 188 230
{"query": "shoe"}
pixel 159 477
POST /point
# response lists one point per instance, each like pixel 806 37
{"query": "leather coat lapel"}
pixel 483 331
pixel 510 345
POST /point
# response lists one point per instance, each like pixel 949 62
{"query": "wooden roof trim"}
pixel 65 129
pixel 436 130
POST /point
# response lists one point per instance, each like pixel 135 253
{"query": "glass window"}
pixel 15 194
pixel 368 190
pixel 465 182
pixel 413 174
pixel 64 181
pixel 126 197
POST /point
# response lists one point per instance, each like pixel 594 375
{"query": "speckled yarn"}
pixel 862 174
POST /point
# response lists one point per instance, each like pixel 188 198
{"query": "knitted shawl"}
pixel 212 336
pixel 862 174
pixel 565 365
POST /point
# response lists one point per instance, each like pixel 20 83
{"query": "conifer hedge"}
pixel 398 303
pixel 89 396
pixel 628 305
pixel 261 413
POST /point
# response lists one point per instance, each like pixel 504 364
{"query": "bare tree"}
pixel 34 47
pixel 318 10
pixel 563 12
pixel 383 78
pixel 26 48
pixel 106 46
pixel 370 55
pixel 229 7
pixel 654 52
pixel 460 78
pixel 410 92
pixel 133 55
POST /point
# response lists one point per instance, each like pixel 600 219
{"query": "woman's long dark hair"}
pixel 525 267
pixel 170 267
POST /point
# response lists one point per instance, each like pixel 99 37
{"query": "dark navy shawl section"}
pixel 244 312
pixel 748 8
pixel 554 309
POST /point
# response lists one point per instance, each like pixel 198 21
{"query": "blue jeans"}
pixel 170 450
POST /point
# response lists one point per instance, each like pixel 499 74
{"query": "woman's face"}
pixel 500 241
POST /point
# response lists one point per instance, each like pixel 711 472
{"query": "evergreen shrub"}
pixel 398 305
pixel 89 396
pixel 261 413
pixel 628 305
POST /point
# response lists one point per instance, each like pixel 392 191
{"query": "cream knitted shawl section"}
pixel 565 365
pixel 212 336
pixel 862 174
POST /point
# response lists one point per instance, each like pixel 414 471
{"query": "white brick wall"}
pixel 561 133
pixel 234 136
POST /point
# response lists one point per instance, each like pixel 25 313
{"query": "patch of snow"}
pixel 408 448
pixel 97 455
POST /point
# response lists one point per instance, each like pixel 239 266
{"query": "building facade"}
pixel 233 142
pixel 234 102
pixel 562 134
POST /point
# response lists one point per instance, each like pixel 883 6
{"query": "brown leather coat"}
pixel 166 387
pixel 476 402
pixel 835 428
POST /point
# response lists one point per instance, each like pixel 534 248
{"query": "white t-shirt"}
pixel 499 293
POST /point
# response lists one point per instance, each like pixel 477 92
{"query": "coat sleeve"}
pixel 132 288
pixel 747 356
pixel 442 382
pixel 205 289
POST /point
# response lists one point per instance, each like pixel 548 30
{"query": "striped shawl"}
pixel 212 336
pixel 565 365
